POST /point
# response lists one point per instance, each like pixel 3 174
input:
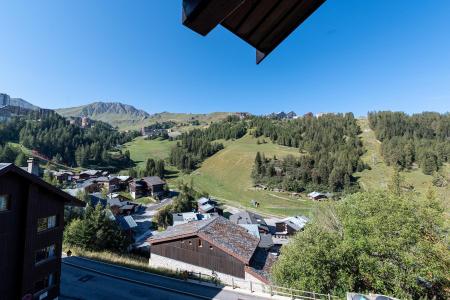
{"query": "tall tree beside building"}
pixel 95 231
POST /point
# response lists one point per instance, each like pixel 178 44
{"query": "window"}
pixel 200 243
pixel 190 242
pixel 45 253
pixel 210 247
pixel 44 283
pixel 5 203
pixel 46 223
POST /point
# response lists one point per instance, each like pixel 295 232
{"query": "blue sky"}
pixel 351 55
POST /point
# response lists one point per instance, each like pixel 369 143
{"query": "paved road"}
pixel 79 282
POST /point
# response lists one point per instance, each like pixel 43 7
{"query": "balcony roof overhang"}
pixel 264 24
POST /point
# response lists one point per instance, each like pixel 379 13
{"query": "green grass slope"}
pixel 142 149
pixel 227 176
pixel 379 175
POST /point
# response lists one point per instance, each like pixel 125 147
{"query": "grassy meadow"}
pixel 227 176
pixel 142 149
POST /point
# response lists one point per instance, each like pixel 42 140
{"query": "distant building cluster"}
pixel 83 121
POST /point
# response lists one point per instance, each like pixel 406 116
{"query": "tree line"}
pixel 195 146
pixel 153 167
pixel 420 138
pixel 54 138
pixel 330 152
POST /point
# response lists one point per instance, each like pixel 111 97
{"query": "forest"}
pixel 422 139
pixel 330 152
pixel 54 138
pixel 196 145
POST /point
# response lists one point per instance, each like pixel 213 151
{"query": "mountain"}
pixel 114 113
pixel 5 99
pixel 128 117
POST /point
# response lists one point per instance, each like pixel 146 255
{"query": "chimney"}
pixel 33 166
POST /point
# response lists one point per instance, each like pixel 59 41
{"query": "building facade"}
pixel 31 231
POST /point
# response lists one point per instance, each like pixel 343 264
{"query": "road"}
pixel 83 279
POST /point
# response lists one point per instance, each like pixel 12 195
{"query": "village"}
pixel 231 231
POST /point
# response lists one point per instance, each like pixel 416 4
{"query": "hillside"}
pixel 5 99
pixel 114 113
pixel 227 174
pixel 379 175
pixel 128 117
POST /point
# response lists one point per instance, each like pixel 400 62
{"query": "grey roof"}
pixel 247 217
pixel 86 183
pixel 126 222
pixel 297 222
pixel 90 172
pixel 229 237
pixel 265 240
pixel 153 180
pixel 184 217
pixel 203 200
pixel 102 179
pixel 207 207
pixel 261 265
pixel 3 165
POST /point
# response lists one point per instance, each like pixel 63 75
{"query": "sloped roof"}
pixel 296 222
pixel 202 201
pixel 70 200
pixel 126 222
pixel 153 180
pixel 220 232
pixel 247 217
pixel 261 265
pixel 264 24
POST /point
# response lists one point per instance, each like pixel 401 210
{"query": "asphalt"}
pixel 83 279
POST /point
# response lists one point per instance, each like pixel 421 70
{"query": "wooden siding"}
pixel 188 250
pixel 20 239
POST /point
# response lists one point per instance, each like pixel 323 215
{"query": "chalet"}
pixel 147 186
pixel 138 189
pixel 63 175
pixel 110 183
pixel 247 217
pixel 124 182
pixel 126 224
pixel 206 205
pixel 316 196
pixel 31 231
pixel 89 186
pixel 183 218
pixel 90 174
pixel 212 245
pixel 155 185
pixel 289 226
pixel 116 205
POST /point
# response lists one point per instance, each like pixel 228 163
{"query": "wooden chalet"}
pixel 31 232
pixel 289 226
pixel 210 245
pixel 264 24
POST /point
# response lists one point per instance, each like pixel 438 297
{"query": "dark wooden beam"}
pixel 202 16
